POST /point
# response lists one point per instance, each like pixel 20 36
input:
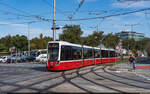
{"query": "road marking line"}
pixel 140 75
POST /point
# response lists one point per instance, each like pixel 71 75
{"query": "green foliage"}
pixel 93 39
pixel 20 42
pixel 6 42
pixel 40 43
pixel 129 44
pixel 72 34
pixel 2 47
pixel 4 54
pixel 141 44
pixel 148 49
pixel 111 41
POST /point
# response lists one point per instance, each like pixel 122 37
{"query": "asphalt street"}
pixel 34 78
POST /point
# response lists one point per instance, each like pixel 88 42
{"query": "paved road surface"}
pixel 34 78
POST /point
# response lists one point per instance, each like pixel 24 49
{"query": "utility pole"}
pixel 28 23
pixel 54 31
pixel 54 27
pixel 97 27
pixel 29 38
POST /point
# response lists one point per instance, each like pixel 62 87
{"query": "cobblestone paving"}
pixel 34 78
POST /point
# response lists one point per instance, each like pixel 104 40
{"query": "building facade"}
pixel 130 35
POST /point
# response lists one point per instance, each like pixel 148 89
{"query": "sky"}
pixel 16 14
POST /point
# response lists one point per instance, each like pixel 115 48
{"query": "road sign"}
pixel 117 47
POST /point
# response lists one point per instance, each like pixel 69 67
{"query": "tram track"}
pixel 147 82
pixel 35 81
pixel 69 80
pixel 98 84
pixel 63 77
pixel 121 82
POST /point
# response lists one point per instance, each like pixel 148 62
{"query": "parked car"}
pixel 13 59
pixel 4 59
pixel 1 59
pixel 41 57
pixel 27 58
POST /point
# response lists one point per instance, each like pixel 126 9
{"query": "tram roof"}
pixel 78 45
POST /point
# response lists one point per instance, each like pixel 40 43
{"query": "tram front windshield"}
pixel 53 50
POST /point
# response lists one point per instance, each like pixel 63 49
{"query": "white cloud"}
pixel 131 4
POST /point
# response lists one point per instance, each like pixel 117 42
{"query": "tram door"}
pixel 97 55
pixel 88 56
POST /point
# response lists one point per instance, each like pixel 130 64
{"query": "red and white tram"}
pixel 65 56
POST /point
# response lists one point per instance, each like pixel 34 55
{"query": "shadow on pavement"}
pixel 65 77
pixel 41 69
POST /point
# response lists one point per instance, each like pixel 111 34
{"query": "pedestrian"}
pixel 132 61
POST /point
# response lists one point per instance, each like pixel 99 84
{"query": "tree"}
pixel 41 36
pixel 148 49
pixel 40 43
pixel 6 42
pixel 46 40
pixel 72 34
pixel 34 43
pixel 93 39
pixel 2 47
pixel 129 44
pixel 20 42
pixel 111 41
pixel 141 44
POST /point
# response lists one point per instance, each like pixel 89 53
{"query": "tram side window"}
pixel 96 53
pixel 77 53
pixel 88 53
pixel 66 53
pixel 104 53
pixel 112 53
pixel 85 53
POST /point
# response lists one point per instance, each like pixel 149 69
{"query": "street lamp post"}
pixel 28 25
